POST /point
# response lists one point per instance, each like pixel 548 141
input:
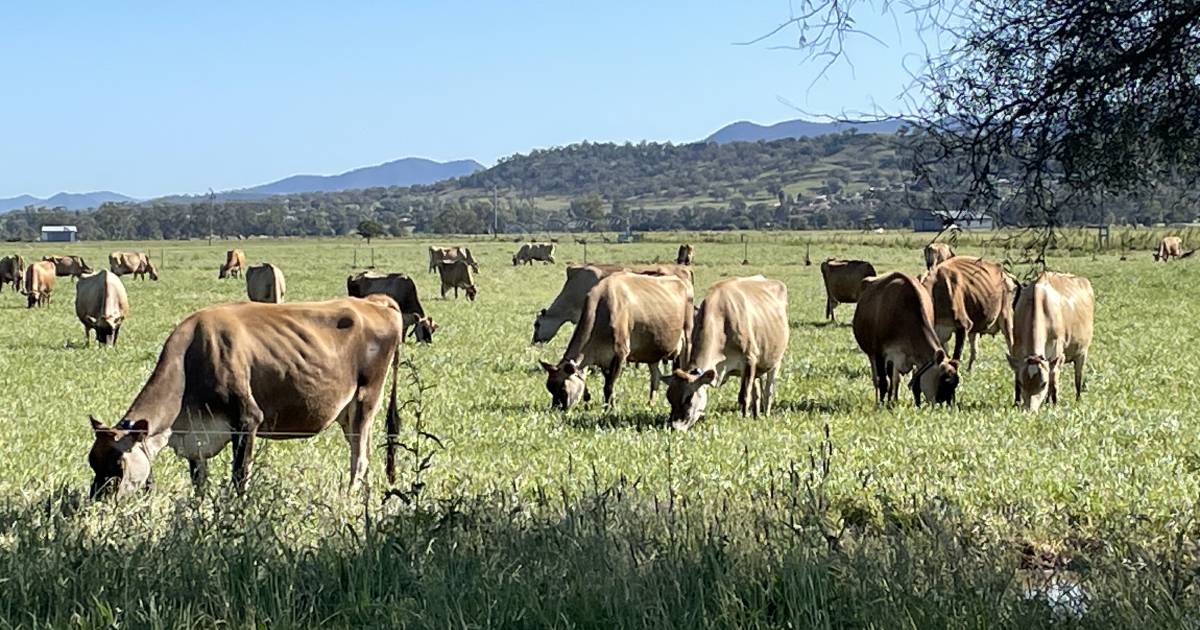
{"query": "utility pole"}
pixel 495 214
pixel 212 202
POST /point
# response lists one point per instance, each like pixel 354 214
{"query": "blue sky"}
pixel 153 98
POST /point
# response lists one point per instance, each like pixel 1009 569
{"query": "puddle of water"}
pixel 1061 591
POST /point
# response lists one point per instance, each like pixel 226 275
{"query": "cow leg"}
pixel 1080 364
pixel 959 333
pixel 973 338
pixel 655 377
pixel 769 390
pixel 893 382
pixel 199 472
pixel 829 306
pixel 610 379
pixel 879 378
pixel 87 337
pixel 243 438
pixel 746 394
pixel 116 331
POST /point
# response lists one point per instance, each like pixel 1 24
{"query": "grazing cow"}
pixel 843 282
pixel 893 326
pixel 101 304
pixel 971 297
pixel 937 253
pixel 1169 246
pixel 530 252
pixel 741 328
pixel 1053 325
pixel 685 255
pixel 73 266
pixel 11 270
pixel 403 290
pixel 457 275
pixel 438 255
pixel 627 318
pixel 136 263
pixel 237 372
pixel 568 305
pixel 265 283
pixel 39 283
pixel 235 262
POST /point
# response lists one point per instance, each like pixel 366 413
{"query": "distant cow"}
pixel 73 266
pixel 136 263
pixel 971 297
pixel 530 252
pixel 438 255
pixel 237 372
pixel 893 326
pixel 936 253
pixel 403 290
pixel 265 283
pixel 235 262
pixel 102 305
pixel 568 305
pixel 1053 325
pixel 843 282
pixel 11 270
pixel 39 283
pixel 627 318
pixel 685 255
pixel 457 275
pixel 741 328
pixel 1169 246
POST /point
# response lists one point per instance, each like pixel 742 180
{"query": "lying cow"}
pixel 39 283
pixel 685 255
pixel 73 266
pixel 235 262
pixel 627 318
pixel 1053 325
pixel 403 290
pixel 937 253
pixel 237 372
pixel 971 297
pixel 893 326
pixel 457 275
pixel 12 268
pixel 136 263
pixel 1169 246
pixel 568 304
pixel 439 255
pixel 530 252
pixel 265 283
pixel 102 305
pixel 843 282
pixel 741 328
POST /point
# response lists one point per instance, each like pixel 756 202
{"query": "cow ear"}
pixel 549 367
pixel 570 368
pixel 939 356
pixel 954 363
pixel 140 430
pixel 1056 362
pixel 707 378
pixel 681 375
pixel 1014 362
pixel 97 426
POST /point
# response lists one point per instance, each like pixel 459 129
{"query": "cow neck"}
pixel 1037 336
pixel 708 342
pixel 161 398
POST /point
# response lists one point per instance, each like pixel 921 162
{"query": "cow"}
pixel 235 262
pixel 530 252
pixel 627 318
pixel 438 255
pixel 936 253
pixel 136 263
pixel 685 255
pixel 741 328
pixel 843 282
pixel 237 372
pixel 457 275
pixel 1169 246
pixel 102 305
pixel 893 326
pixel 265 283
pixel 11 269
pixel 1053 325
pixel 403 290
pixel 971 297
pixel 568 305
pixel 73 266
pixel 39 283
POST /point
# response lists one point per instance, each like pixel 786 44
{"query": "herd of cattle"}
pixel 234 372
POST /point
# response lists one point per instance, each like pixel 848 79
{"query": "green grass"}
pixel 527 517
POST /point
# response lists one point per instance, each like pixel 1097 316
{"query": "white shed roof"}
pixel 59 228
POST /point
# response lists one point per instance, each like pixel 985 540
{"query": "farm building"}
pixel 936 220
pixel 59 233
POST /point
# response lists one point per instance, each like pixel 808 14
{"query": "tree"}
pixel 369 228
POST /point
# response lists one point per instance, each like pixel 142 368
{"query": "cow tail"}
pixel 393 420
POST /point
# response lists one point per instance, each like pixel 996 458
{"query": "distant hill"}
pixel 403 172
pixel 70 201
pixel 745 131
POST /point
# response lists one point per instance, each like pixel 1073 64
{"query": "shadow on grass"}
pixel 641 419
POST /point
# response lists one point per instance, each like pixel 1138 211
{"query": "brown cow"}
pixel 39 283
pixel 265 283
pixel 893 326
pixel 843 282
pixel 741 328
pixel 438 255
pixel 971 297
pixel 235 262
pixel 403 290
pixel 73 266
pixel 136 263
pixel 530 252
pixel 1053 325
pixel 568 305
pixel 1169 246
pixel 457 275
pixel 937 253
pixel 12 268
pixel 102 305
pixel 237 372
pixel 685 255
pixel 627 318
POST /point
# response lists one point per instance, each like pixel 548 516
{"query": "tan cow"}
pixel 235 262
pixel 530 252
pixel 136 263
pixel 937 253
pixel 1169 246
pixel 971 297
pixel 265 283
pixel 568 305
pixel 627 318
pixel 12 268
pixel 843 282
pixel 741 328
pixel 238 372
pixel 73 266
pixel 403 290
pixel 438 255
pixel 39 283
pixel 685 255
pixel 893 326
pixel 457 275
pixel 102 305
pixel 1053 325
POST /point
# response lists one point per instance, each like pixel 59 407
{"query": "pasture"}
pixel 831 512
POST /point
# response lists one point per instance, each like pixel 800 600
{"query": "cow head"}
pixel 224 271
pixel 472 291
pixel 118 458
pixel 1033 376
pixel 936 380
pixel 565 383
pixel 688 395
pixel 83 266
pixel 152 270
pixel 545 327
pixel 423 330
pixel 514 261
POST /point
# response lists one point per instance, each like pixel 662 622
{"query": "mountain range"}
pixel 70 201
pixel 746 131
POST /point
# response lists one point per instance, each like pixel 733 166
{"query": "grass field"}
pixel 830 513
